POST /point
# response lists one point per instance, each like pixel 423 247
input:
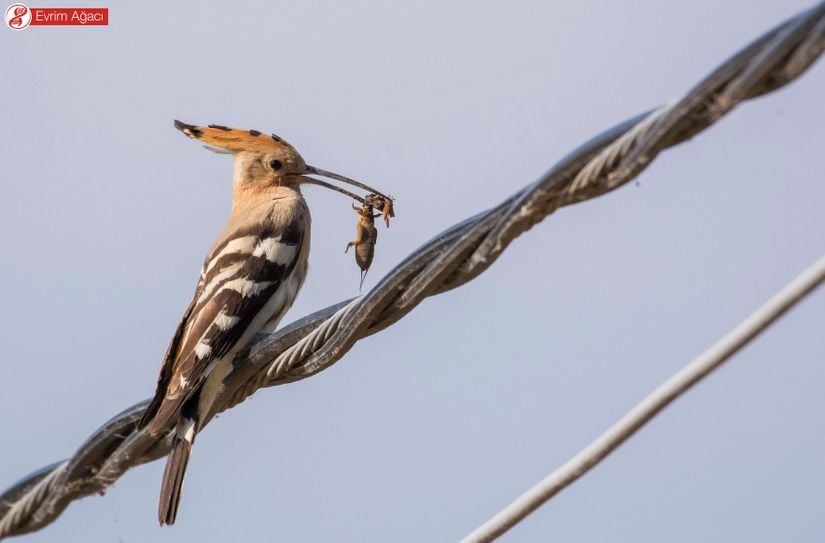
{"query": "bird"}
pixel 249 279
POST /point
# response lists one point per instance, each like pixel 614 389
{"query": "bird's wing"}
pixel 168 362
pixel 242 279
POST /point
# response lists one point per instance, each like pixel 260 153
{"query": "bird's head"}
pixel 265 160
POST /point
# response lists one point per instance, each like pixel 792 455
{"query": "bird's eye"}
pixel 276 164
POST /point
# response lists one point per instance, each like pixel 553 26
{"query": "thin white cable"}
pixel 645 410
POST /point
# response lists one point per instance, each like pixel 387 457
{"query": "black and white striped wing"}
pixel 244 283
pixel 168 365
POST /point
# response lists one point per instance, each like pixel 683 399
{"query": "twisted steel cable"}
pixel 447 261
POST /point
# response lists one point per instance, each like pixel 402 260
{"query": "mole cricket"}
pixel 366 235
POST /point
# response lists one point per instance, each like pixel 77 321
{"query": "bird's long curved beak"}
pixel 312 170
pixel 313 181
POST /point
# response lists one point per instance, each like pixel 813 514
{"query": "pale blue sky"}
pixel 426 429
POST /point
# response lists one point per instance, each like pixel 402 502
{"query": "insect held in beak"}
pixel 366 236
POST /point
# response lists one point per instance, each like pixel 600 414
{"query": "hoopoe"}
pixel 249 280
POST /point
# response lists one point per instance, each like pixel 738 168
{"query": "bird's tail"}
pixel 176 470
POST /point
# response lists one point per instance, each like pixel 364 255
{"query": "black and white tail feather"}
pixel 175 470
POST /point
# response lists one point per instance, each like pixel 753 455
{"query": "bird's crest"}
pixel 233 139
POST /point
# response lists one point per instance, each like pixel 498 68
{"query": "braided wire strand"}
pixel 447 261
pixel 22 509
pixel 307 345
